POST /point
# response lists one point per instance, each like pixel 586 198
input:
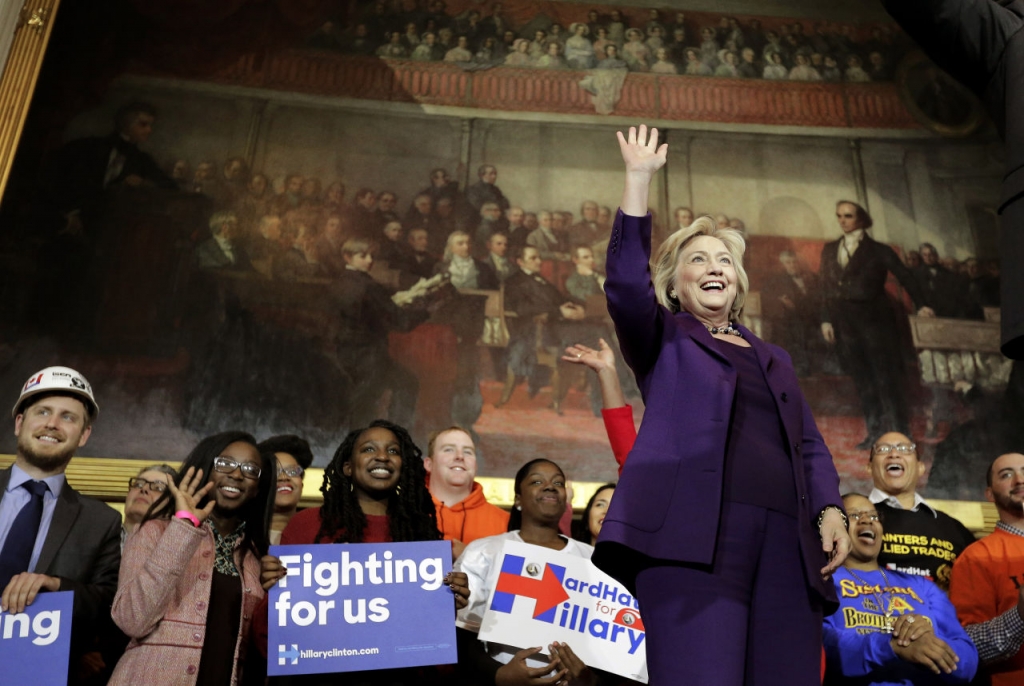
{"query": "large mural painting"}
pixel 295 216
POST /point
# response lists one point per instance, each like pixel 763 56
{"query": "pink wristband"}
pixel 185 514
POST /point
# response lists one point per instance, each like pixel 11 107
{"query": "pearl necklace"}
pixel 727 329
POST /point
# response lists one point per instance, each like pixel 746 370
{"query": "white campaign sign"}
pixel 542 595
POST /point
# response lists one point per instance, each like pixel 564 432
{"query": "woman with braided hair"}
pixel 374 492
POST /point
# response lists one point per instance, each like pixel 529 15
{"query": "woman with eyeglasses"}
pixel 293 456
pixel 374 492
pixel 189 580
pixel 892 627
pixel 144 489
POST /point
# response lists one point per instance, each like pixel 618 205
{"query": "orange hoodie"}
pixel 471 518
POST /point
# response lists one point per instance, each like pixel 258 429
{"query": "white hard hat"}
pixel 59 380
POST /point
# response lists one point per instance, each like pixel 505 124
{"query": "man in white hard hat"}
pixel 51 537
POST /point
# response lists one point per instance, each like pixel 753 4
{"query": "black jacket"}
pixel 863 280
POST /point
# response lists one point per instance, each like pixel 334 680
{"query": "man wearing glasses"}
pixel 918 538
pixel 144 489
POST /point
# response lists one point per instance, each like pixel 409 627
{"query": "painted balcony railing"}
pixel 681 98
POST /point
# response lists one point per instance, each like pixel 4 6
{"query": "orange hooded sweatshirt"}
pixel 471 518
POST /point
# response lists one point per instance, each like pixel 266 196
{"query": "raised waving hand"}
pixel 643 158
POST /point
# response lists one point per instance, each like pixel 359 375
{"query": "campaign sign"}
pixel 542 595
pixel 35 644
pixel 354 607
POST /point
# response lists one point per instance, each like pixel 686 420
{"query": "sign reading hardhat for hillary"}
pixel 355 607
pixel 35 644
pixel 542 595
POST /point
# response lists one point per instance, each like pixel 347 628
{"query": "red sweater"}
pixel 618 422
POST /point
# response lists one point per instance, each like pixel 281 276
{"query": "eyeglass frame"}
pixel 872 516
pixel 290 471
pixel 154 486
pixel 901 448
pixel 230 465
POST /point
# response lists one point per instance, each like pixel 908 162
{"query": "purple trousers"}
pixel 747 620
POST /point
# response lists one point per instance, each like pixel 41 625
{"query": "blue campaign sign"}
pixel 35 644
pixel 355 607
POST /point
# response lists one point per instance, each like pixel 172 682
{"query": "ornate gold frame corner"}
pixel 20 74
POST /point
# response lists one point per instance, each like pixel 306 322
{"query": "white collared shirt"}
pixel 226 247
pixel 463 272
pixel 849 245
pixel 879 496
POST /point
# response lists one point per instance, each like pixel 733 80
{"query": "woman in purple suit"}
pixel 727 522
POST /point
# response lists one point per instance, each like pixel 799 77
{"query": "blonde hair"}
pixel 356 246
pixel 663 267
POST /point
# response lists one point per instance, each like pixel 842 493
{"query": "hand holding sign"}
pixel 360 606
pixel 23 589
pixel 539 594
pixel 271 570
pixel 572 664
pixel 459 583
pixel 518 673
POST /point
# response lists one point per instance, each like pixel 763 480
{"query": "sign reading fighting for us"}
pixel 355 607
pixel 35 644
pixel 541 596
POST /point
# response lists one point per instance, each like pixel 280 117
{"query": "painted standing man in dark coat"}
pixel 859 318
pixel 84 185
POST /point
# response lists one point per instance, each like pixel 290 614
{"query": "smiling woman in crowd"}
pixel 189 580
pixel 893 628
pixel 539 504
pixel 374 492
pixel 144 489
pixel 727 522
pixel 589 525
pixel 293 457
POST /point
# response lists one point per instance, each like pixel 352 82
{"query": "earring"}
pixel 672 294
pixel 351 488
pixel 519 507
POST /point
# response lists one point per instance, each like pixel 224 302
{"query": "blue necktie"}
pixel 21 539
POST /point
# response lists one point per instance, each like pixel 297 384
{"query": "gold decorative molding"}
pixel 20 74
pixel 107 479
pixel 36 20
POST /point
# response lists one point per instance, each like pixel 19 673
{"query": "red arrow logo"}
pixel 547 590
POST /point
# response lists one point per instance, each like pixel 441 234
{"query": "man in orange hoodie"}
pixel 463 513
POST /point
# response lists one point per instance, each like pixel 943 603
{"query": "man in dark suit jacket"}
pixel 948 294
pixel 980 43
pixel 416 261
pixel 366 316
pixel 221 250
pixel 792 306
pixel 78 541
pixel 529 295
pixel 85 169
pixel 858 316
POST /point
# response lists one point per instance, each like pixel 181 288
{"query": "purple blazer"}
pixel 668 500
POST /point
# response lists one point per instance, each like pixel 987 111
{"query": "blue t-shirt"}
pixel 859 653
